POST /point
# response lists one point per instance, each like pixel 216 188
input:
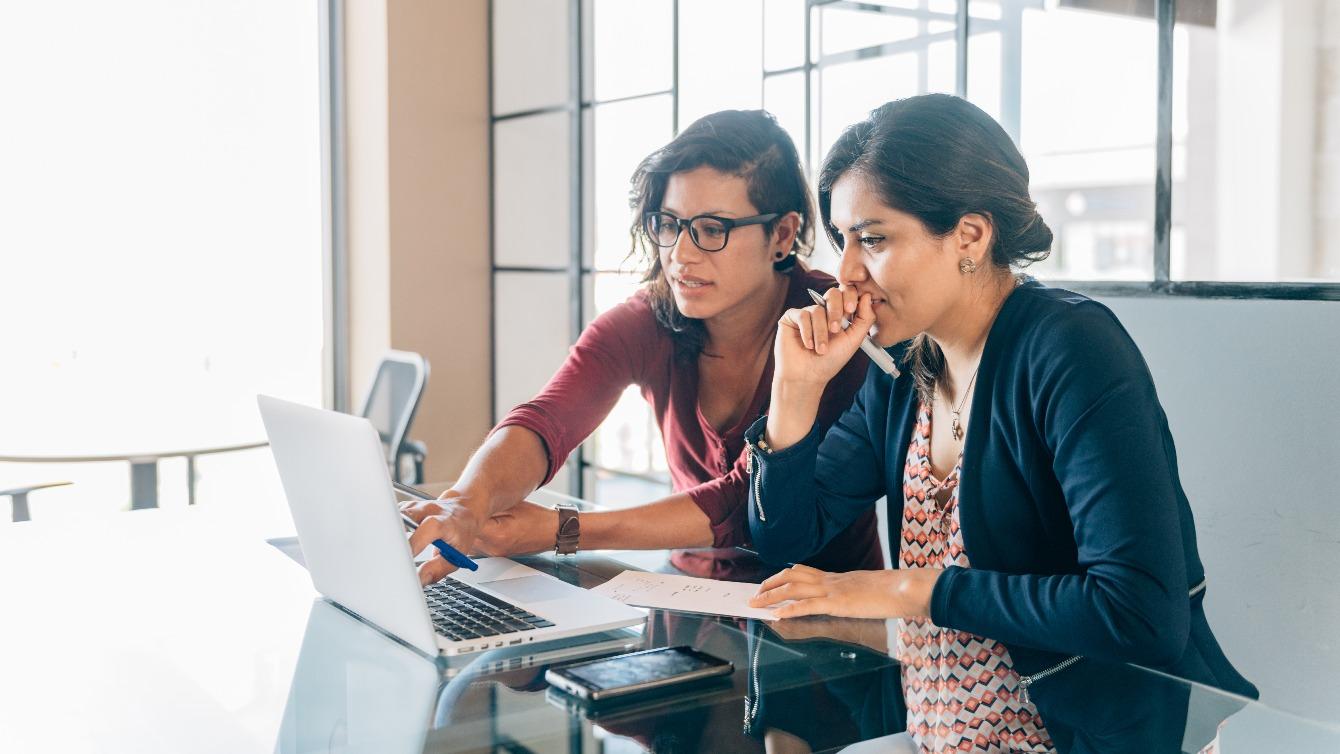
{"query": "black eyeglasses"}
pixel 709 232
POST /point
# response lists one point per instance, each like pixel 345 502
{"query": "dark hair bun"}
pixel 940 157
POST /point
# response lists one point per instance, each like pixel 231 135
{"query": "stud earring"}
pixel 967 266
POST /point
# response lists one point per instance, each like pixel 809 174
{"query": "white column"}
pixel 1266 100
pixel 418 131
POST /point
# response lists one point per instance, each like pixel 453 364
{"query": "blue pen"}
pixel 454 556
pixel 451 554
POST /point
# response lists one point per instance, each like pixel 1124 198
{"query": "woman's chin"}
pixel 692 309
pixel 888 335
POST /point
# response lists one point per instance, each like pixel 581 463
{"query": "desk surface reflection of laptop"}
pixel 356 549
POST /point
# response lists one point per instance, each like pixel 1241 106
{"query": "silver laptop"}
pixel 344 509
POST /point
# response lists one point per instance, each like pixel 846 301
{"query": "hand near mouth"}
pixel 811 346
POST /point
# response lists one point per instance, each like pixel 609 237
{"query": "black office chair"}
pixel 20 498
pixel 390 405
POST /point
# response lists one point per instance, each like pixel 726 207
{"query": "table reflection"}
pixel 805 685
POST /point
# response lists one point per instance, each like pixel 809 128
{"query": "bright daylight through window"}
pixel 160 241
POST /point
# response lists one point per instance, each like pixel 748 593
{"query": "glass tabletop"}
pixel 183 630
pixel 822 682
pixel 807 685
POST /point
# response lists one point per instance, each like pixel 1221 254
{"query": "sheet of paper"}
pixel 672 592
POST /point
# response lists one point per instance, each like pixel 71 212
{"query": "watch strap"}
pixel 569 529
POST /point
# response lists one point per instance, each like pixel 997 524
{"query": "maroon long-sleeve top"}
pixel 626 346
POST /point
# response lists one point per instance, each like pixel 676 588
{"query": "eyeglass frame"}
pixel 729 223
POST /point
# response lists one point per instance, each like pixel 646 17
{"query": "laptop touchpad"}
pixel 530 588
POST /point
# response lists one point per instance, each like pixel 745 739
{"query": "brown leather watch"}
pixel 569 529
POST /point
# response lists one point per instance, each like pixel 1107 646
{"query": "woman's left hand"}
pixel 890 593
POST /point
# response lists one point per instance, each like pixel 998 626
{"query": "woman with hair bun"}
pixel 1043 539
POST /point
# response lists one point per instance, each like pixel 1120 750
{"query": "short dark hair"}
pixel 939 157
pixel 745 143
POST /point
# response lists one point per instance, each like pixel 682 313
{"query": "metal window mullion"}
pixel 1011 67
pixel 763 54
pixel 1204 289
pixel 809 90
pixel 576 312
pixel 1164 11
pixel 587 104
pixel 923 58
pixel 493 252
pixel 335 255
pixel 530 268
pixel 547 110
pixel 674 68
pixel 961 50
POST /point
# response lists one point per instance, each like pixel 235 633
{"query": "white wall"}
pixel 1251 393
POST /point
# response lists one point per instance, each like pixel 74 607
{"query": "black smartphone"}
pixel 636 673
pixel 640 707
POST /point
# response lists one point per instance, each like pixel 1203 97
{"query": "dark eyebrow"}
pixel 727 213
pixel 862 225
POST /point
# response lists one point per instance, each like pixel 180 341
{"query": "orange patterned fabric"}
pixel 961 690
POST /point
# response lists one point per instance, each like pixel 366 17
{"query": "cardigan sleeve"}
pixel 803 496
pixel 1096 410
pixel 613 352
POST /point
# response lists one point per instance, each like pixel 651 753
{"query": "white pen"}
pixel 878 355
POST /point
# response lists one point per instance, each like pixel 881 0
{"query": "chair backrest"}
pixel 394 397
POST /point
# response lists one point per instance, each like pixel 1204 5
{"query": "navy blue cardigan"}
pixel 1073 517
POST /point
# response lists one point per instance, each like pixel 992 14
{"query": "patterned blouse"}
pixel 961 690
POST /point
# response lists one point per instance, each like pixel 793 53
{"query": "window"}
pixel 1078 91
pixel 562 158
pixel 1256 135
pixel 160 237
pixel 1236 104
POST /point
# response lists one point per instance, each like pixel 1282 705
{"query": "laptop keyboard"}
pixel 461 611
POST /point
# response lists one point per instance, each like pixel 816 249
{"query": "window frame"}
pixel 1162 284
pixel 578 106
pixel 576 269
pixel 334 206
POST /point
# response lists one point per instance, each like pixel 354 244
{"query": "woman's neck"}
pixel 962 334
pixel 744 327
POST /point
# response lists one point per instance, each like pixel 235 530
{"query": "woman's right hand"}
pixel 811 346
pixel 448 519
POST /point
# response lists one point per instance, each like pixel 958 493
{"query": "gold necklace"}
pixel 956 425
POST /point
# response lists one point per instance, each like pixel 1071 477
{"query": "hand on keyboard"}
pixel 448 520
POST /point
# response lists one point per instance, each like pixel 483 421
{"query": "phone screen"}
pixel 640 668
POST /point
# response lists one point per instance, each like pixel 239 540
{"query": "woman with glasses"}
pixel 721 216
pixel 1043 537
